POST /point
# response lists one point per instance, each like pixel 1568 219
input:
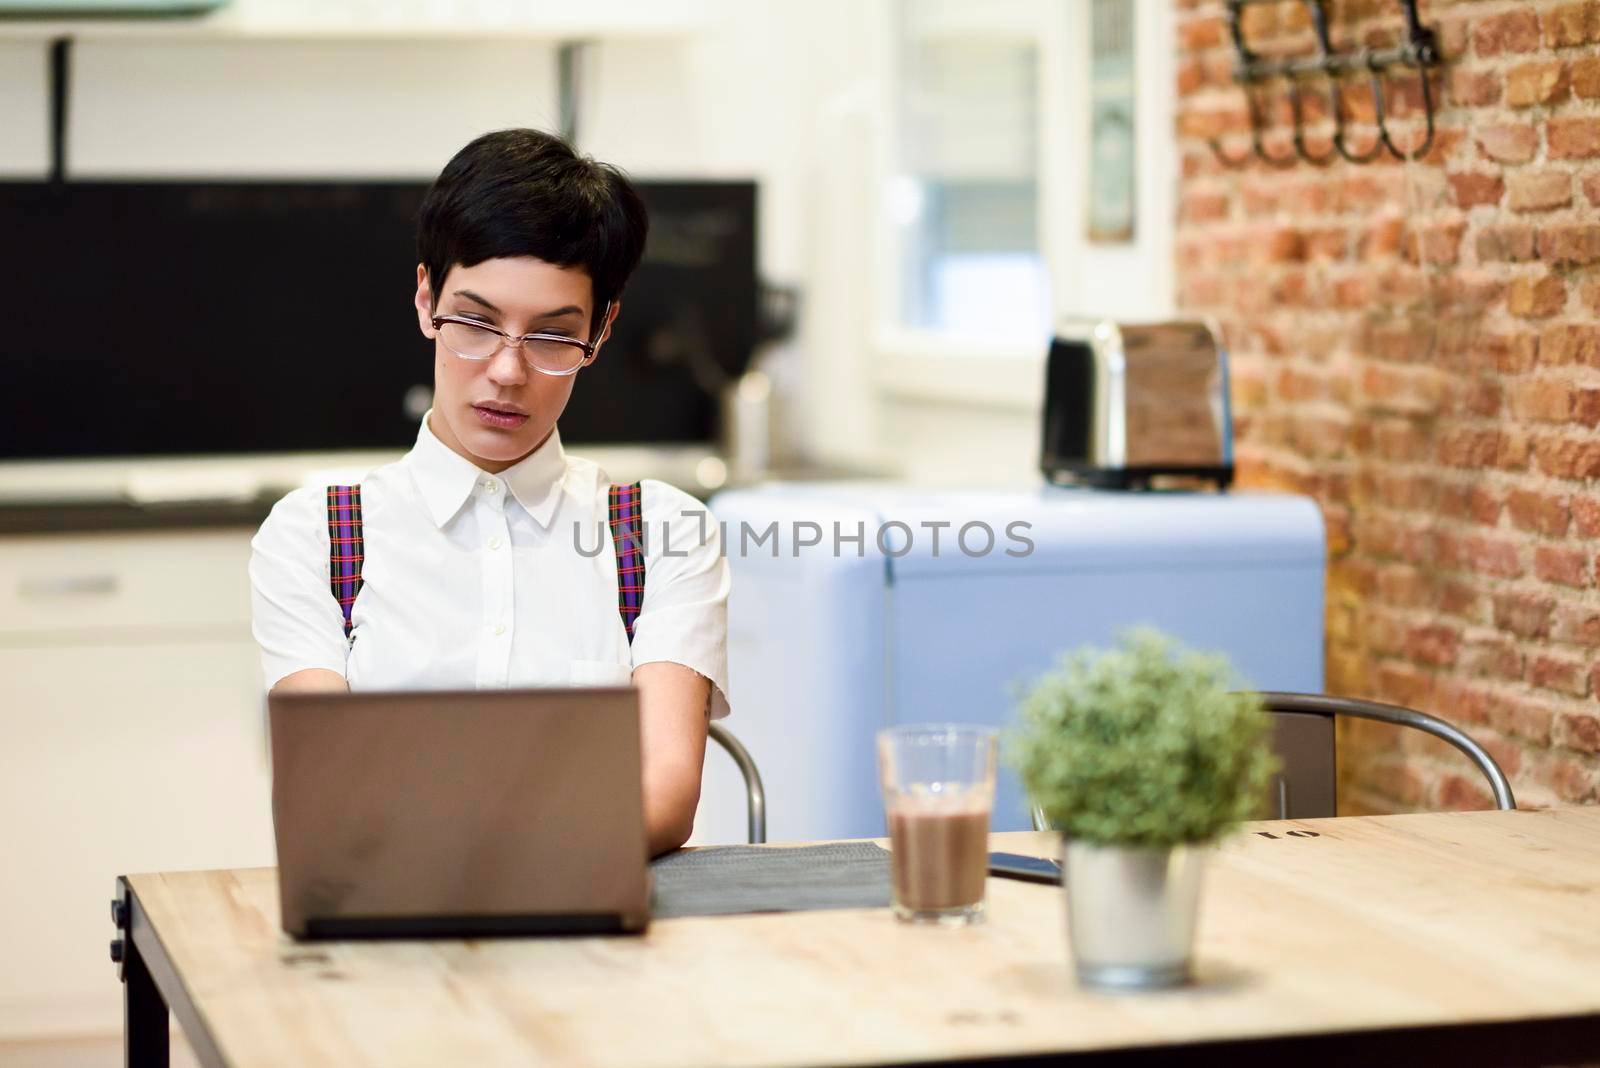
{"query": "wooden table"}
pixel 1397 938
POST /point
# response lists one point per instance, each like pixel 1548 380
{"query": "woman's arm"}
pixel 311 680
pixel 673 702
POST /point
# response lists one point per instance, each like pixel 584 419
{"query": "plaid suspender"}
pixel 627 536
pixel 345 551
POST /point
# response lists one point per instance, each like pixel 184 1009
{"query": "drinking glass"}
pixel 938 791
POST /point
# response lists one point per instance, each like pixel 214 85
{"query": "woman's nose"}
pixel 506 367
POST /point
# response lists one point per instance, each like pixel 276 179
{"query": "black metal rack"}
pixel 1419 53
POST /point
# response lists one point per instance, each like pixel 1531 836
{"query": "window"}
pixel 965 194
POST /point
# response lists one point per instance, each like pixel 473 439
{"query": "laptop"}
pixel 453 815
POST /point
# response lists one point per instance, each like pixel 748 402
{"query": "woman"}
pixel 483 556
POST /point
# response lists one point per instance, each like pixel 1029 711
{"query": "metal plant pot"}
pixel 1131 913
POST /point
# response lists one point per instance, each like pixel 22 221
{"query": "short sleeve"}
pixel 293 613
pixel 684 615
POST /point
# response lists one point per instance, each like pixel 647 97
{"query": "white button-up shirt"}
pixel 478 581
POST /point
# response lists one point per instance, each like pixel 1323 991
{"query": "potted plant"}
pixel 1141 756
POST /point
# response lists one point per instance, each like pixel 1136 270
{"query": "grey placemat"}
pixel 722 880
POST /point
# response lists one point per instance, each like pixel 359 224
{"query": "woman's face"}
pixel 496 411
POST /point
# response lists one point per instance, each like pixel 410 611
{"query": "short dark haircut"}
pixel 527 193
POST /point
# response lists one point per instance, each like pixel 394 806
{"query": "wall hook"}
pixel 1419 54
pixel 1300 145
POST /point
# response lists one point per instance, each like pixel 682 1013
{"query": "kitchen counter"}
pixel 190 492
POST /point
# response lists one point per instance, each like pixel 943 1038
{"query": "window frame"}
pixel 911 363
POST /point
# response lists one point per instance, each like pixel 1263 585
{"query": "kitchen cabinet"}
pixel 130 698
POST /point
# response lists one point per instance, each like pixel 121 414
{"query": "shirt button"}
pixel 494 543
pixel 492 486
pixel 499 629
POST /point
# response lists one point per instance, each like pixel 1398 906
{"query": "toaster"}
pixel 1127 405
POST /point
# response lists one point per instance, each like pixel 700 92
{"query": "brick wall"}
pixel 1417 345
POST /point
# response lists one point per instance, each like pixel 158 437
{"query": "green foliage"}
pixel 1143 744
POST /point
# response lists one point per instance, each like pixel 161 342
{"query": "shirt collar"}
pixel 446 479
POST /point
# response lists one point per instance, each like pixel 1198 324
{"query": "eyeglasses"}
pixel 551 354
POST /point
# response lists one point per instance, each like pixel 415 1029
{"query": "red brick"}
pixel 1576 624
pixel 1190 77
pixel 1541 513
pixel 1454 35
pixel 1573 138
pixel 1568 457
pixel 1523 614
pixel 1433 643
pixel 1563 674
pixel 1555 401
pixel 1478 504
pixel 1197 34
pixel 1536 297
pixel 1477 88
pixel 1479 396
pixel 1308 197
pixel 1586 514
pixel 1585 77
pixel 1571 24
pixel 1458 598
pixel 1283 244
pixel 1404 684
pixel 1457 793
pixel 1514 142
pixel 1506 753
pixel 1539 190
pixel 1484 555
pixel 1568 343
pixel 1539 82
pixel 1540 399
pixel 1261 21
pixel 1572 778
pixel 1514 31
pixel 1521 717
pixel 1568 567
pixel 1470 190
pixel 1577 730
pixel 1515 446
pixel 1212 122
pixel 1473 447
pixel 1573 245
pixel 1405 586
pixel 1491 658
pixel 1202 207
pixel 1512 243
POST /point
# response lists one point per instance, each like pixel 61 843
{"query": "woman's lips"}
pixel 498 419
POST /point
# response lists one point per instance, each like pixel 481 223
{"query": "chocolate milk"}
pixel 939 855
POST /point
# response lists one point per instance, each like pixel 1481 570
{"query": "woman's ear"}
pixel 605 328
pixel 424 302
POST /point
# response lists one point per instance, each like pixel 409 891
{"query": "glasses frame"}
pixel 519 340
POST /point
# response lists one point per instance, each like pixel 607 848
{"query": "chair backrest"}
pixel 1303 740
pixel 755 793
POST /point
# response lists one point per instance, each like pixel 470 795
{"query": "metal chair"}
pixel 755 793
pixel 1302 736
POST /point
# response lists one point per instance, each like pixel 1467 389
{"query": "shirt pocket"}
pixel 599 673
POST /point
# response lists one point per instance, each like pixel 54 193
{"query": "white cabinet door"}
pixel 145 755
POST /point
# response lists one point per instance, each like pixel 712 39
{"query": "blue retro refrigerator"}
pixel 857 605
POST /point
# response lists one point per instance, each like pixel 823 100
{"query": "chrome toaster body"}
pixel 1126 404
